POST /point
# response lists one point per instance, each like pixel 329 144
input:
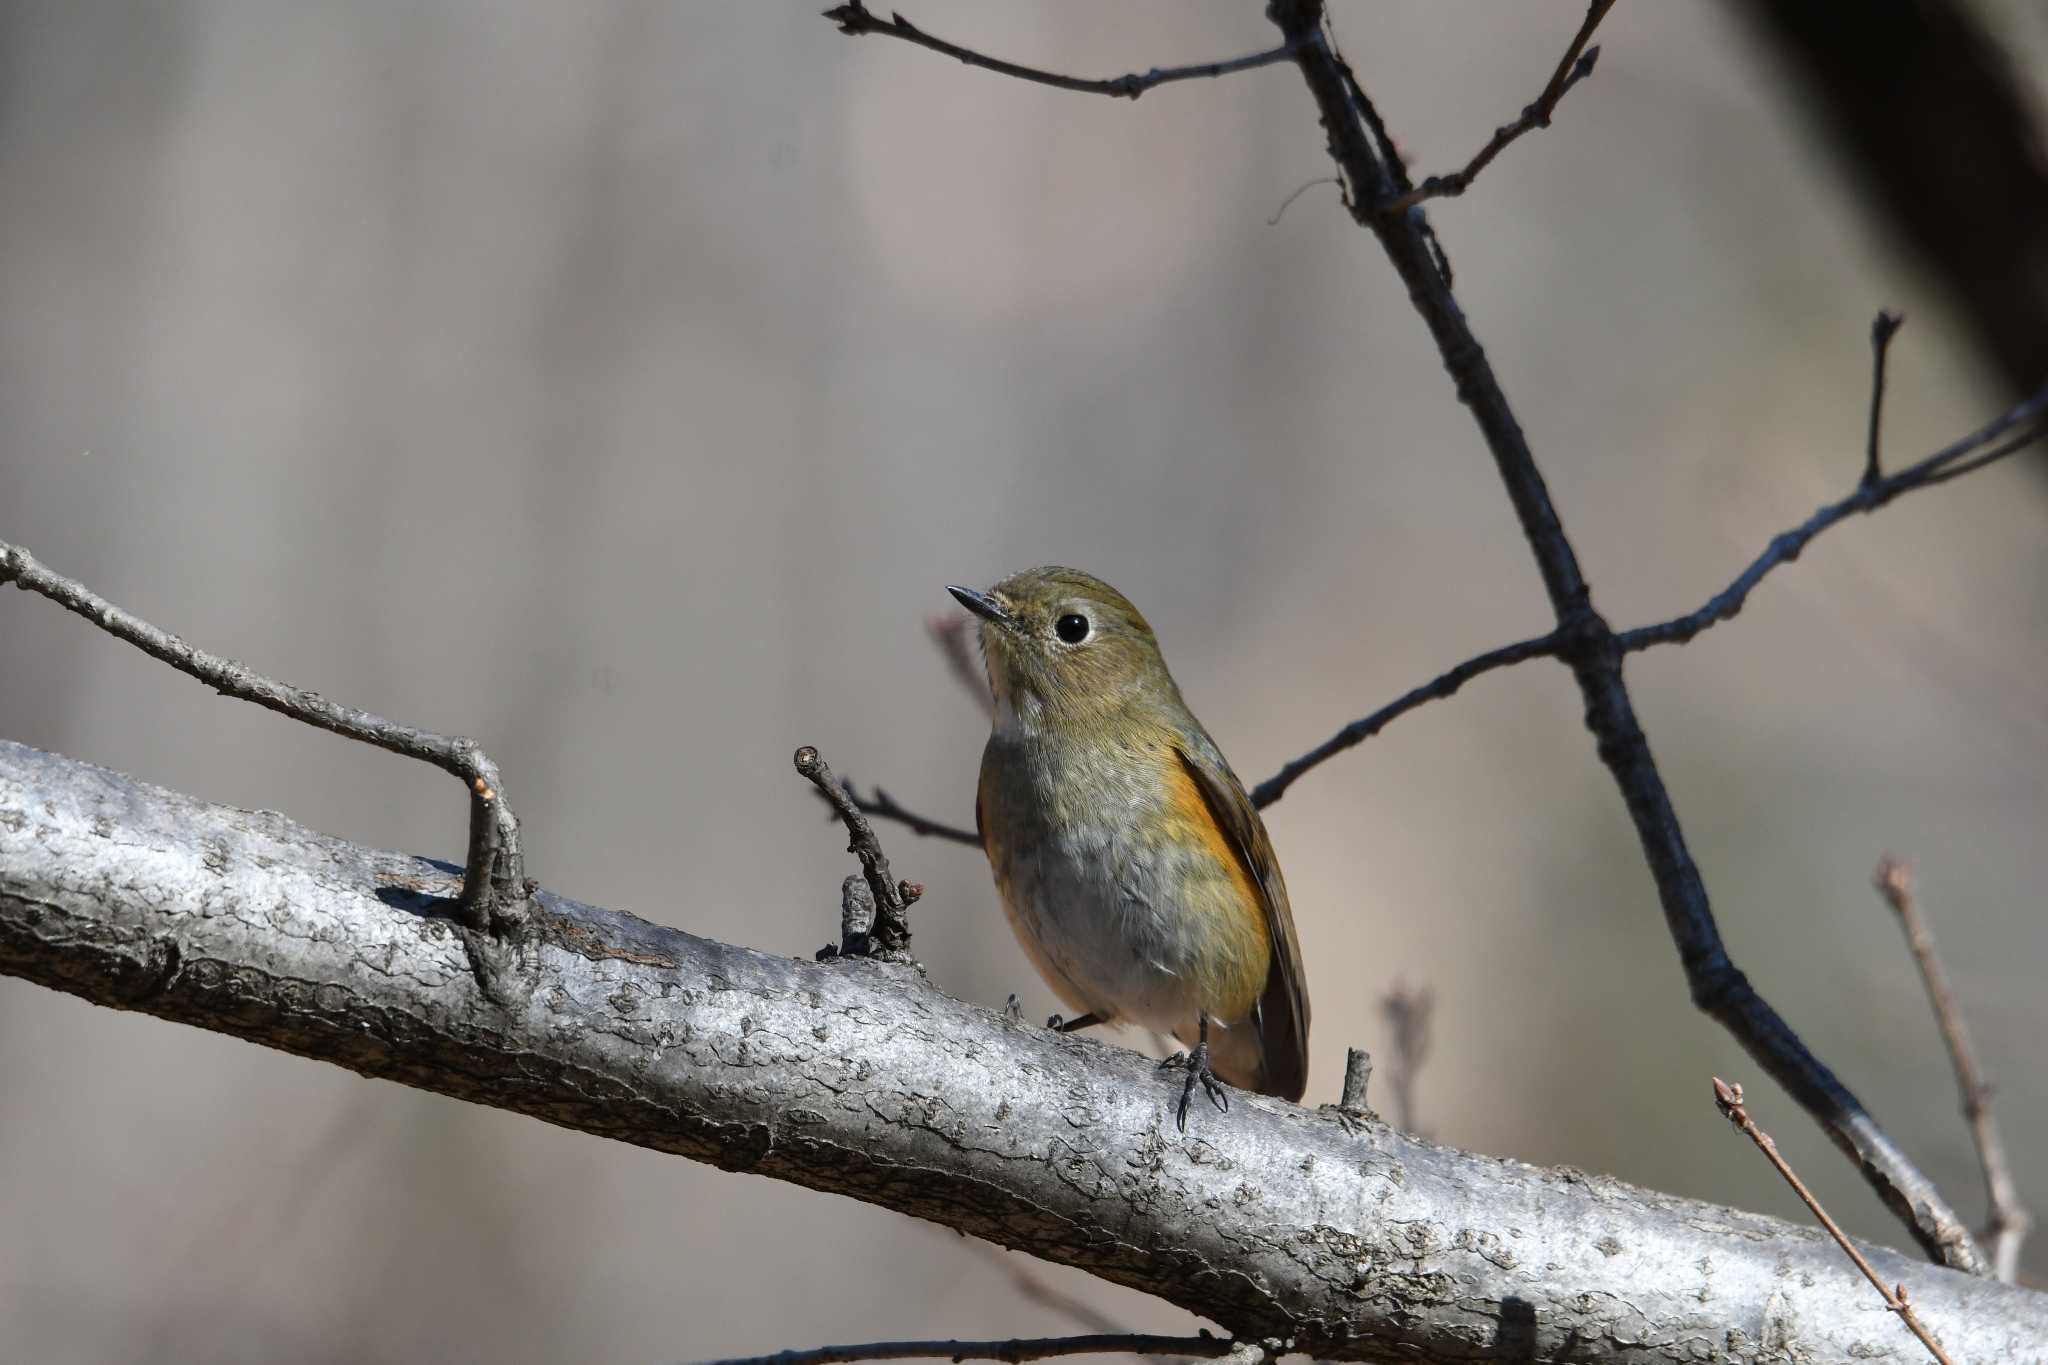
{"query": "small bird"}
pixel 1129 860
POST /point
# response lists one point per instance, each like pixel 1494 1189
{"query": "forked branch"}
pixel 2018 428
pixel 1364 151
pixel 1573 67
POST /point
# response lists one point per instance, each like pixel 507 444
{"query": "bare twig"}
pixel 1408 1013
pixel 1729 1099
pixel 2018 428
pixel 1883 328
pixel 1364 152
pixel 855 18
pixel 1437 688
pixel 954 634
pixel 1296 193
pixel 1357 1077
pixel 2009 1220
pixel 890 937
pixel 494 890
pixel 1575 66
pixel 883 807
pixel 1018 1349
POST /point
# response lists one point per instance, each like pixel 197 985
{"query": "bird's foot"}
pixel 1014 1011
pixel 1074 1025
pixel 1197 1064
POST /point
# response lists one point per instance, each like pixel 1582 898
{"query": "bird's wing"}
pixel 1282 1011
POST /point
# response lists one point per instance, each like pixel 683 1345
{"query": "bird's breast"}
pixel 1118 881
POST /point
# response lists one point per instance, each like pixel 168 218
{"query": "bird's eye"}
pixel 1073 628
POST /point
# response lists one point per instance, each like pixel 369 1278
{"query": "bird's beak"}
pixel 982 605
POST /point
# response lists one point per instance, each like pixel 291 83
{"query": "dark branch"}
pixel 1437 688
pixel 1728 1098
pixel 1575 66
pixel 1883 328
pixel 890 937
pixel 883 807
pixel 2009 1221
pixel 2017 429
pixel 1364 153
pixel 494 875
pixel 855 18
pixel 1015 1350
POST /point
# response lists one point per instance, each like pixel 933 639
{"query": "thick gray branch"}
pixel 861 1079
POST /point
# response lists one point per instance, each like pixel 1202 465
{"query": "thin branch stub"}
pixel 1883 328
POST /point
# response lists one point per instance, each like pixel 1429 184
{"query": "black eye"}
pixel 1073 628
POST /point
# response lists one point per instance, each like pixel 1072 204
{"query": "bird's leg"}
pixel 1075 1024
pixel 1197 1063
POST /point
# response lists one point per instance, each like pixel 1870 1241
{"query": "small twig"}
pixel 1729 1099
pixel 1408 1012
pixel 1575 66
pixel 1300 190
pixel 1018 1349
pixel 1437 688
pixel 953 632
pixel 883 807
pixel 855 18
pixel 2009 1220
pixel 889 939
pixel 2020 427
pixel 1883 328
pixel 494 890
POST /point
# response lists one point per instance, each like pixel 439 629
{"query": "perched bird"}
pixel 1130 862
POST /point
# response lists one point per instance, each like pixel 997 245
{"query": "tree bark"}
pixel 1349 1241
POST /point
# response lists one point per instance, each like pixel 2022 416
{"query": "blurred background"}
pixel 619 384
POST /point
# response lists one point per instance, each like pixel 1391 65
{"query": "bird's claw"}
pixel 1014 1011
pixel 1197 1065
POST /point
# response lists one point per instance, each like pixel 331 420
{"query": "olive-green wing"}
pixel 1282 1011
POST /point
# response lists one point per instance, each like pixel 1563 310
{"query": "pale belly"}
pixel 1089 913
pixel 1113 920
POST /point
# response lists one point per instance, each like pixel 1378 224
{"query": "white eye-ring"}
pixel 1072 627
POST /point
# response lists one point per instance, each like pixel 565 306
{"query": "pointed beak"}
pixel 981 604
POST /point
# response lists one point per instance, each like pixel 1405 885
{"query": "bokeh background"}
pixel 619 384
